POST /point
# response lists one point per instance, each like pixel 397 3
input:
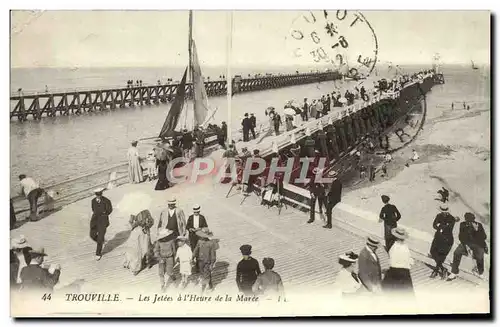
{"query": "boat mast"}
pixel 229 79
pixel 191 73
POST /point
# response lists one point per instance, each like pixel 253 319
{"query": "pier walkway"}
pixel 77 102
pixel 305 254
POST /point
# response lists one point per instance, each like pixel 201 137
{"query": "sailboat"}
pixel 200 110
pixel 473 65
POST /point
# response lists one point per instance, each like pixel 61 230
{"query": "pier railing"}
pixel 77 102
pixel 81 187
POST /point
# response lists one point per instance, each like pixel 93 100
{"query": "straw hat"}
pixel 399 233
pixel 38 252
pixel 164 233
pixel 205 233
pixel 332 173
pixel 443 207
pixel 349 257
pixel 99 190
pixel 317 170
pixel 19 243
pixel 196 208
pixel 372 242
pixel 182 238
pixel 172 201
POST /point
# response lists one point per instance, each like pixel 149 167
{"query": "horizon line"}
pixel 238 65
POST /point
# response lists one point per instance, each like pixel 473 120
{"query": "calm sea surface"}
pixel 55 149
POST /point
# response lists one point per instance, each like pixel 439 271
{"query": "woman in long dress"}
pixel 398 277
pixel 162 164
pixel 138 246
pixel 443 240
pixel 347 281
pixel 134 164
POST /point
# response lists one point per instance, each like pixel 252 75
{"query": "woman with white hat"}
pixel 398 277
pixel 347 281
pixel 19 258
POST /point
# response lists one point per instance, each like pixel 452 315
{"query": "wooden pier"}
pixel 68 103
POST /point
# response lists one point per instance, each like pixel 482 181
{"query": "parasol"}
pixel 133 203
pixel 289 111
pixel 343 100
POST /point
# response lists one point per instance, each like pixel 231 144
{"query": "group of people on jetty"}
pixel 190 244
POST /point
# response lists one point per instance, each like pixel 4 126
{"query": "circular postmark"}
pixel 341 39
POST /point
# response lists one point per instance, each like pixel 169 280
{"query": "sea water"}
pixel 55 149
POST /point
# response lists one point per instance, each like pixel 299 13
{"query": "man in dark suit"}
pixel 101 209
pixel 390 216
pixel 247 125
pixel 317 193
pixel 195 223
pixel 333 196
pixel 370 272
pixel 36 278
pixel 472 239
pixel 253 123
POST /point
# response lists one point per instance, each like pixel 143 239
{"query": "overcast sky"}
pixel 159 38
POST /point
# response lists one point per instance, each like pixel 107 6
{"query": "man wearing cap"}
pixel 370 271
pixel 173 218
pixel 34 277
pixel 247 125
pixel 390 216
pixel 333 197
pixel 195 223
pixel 443 240
pixel 101 209
pixel 32 191
pixel 269 283
pixel 472 239
pixel 247 270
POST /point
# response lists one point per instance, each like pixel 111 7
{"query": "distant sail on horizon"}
pixel 175 110
pixel 200 105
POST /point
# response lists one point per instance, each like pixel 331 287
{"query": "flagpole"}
pixel 229 79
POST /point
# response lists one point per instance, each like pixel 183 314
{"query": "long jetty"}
pixel 84 101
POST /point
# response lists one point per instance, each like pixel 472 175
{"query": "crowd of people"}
pixel 191 245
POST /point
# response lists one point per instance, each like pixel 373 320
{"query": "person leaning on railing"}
pixel 32 191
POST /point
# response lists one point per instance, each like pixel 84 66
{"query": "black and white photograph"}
pixel 250 163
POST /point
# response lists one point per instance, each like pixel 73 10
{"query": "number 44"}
pixel 47 297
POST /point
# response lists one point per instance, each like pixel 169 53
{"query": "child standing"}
pixel 151 165
pixel 165 252
pixel 205 254
pixel 185 257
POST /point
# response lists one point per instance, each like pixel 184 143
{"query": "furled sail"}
pixel 175 110
pixel 200 94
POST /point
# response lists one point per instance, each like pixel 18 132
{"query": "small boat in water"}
pixel 473 65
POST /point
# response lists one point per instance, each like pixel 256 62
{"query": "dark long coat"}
pixel 101 212
pixel 193 238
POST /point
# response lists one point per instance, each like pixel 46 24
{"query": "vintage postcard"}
pixel 249 163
